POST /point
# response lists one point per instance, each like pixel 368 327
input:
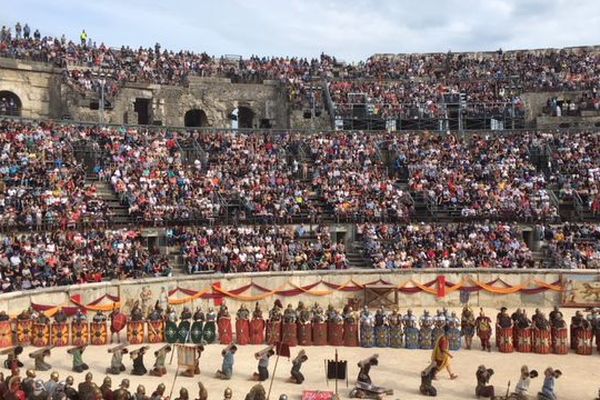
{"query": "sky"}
pixel 350 30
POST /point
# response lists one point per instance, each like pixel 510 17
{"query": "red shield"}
pixel 225 333
pixel 289 334
pixel 257 331
pixel 584 342
pixel 351 334
pixel 524 340
pixel 560 341
pixel 273 332
pixel 541 341
pixel 319 334
pixel 119 321
pixel 242 331
pixel 335 334
pixel 305 334
pixel 505 339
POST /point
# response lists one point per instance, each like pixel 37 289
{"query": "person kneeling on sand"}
pixel 522 388
pixel 226 370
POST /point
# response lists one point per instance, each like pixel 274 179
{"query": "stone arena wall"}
pixel 43 94
pixel 130 290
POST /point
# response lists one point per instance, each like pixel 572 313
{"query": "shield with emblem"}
pixel 98 333
pixel 60 334
pixel 382 336
pixel 156 331
pixel 425 338
pixel 411 338
pixel 171 332
pixel 541 341
pixel 396 337
pixel 24 333
pixel 208 333
pixel 367 335
pixel 79 333
pixel 182 331
pixel 454 339
pixel 41 335
pixel 584 342
pixel 5 334
pixel 196 334
pixel 560 340
pixel 135 332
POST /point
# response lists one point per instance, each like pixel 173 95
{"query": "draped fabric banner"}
pixel 439 287
pixel 71 310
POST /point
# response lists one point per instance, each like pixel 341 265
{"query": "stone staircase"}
pixel 355 257
pixel 120 216
pixel 173 254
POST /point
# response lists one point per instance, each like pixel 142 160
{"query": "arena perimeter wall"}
pixel 129 290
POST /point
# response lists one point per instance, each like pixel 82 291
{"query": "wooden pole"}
pixel 176 374
pixel 275 366
pixel 273 374
pixel 336 373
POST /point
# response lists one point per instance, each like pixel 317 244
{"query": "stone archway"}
pixel 245 117
pixel 10 104
pixel 195 118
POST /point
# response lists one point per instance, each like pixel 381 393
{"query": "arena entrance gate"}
pixel 10 104
pixel 378 294
pixel 195 119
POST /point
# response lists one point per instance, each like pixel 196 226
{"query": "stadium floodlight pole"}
pixel 460 121
pixel 312 109
pixel 101 108
pixel 513 113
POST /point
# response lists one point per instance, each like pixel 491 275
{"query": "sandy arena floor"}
pixel 398 369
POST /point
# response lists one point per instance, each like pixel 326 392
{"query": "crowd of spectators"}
pixel 445 246
pixel 573 246
pixel 255 169
pixel 575 165
pixel 263 178
pixel 232 249
pixel 351 177
pixel 41 182
pixel 482 176
pixel 61 258
pixel 418 85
